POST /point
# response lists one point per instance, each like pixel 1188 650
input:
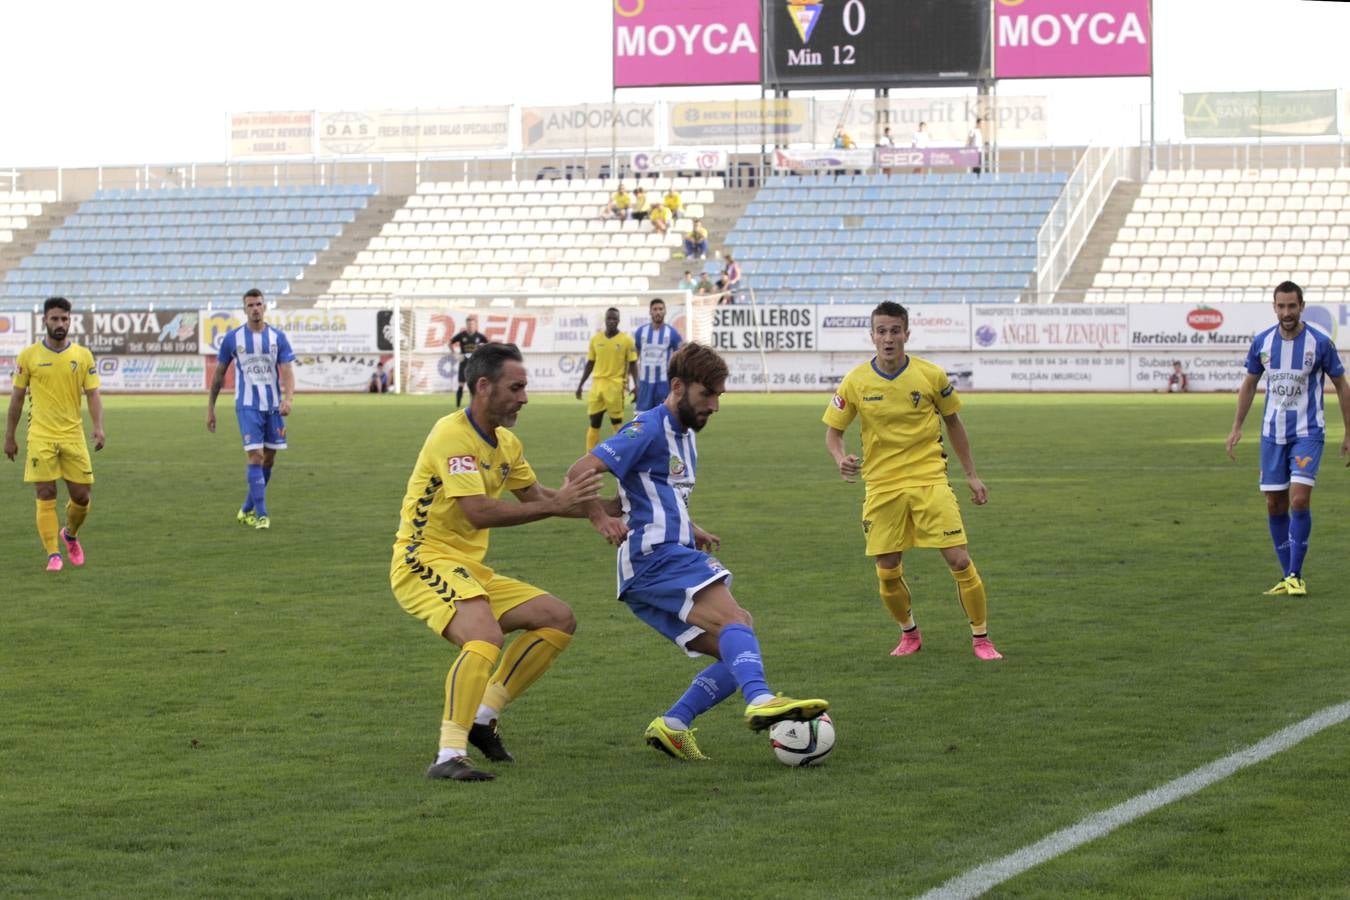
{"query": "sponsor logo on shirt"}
pixel 838 402
pixel 875 397
pixel 461 465
pixel 951 533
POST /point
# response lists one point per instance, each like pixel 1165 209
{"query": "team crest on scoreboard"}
pixel 805 14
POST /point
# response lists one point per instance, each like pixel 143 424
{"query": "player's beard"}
pixel 688 415
pixel 57 335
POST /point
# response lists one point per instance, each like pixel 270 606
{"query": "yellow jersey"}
pixel 458 460
pixel 621 199
pixel 611 355
pixel 56 382
pixel 660 213
pixel 901 421
pixel 672 202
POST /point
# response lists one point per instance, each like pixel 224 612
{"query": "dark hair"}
pixel 694 362
pixel 890 308
pixel 656 300
pixel 612 309
pixel 487 362
pixel 252 292
pixel 55 303
pixel 1288 287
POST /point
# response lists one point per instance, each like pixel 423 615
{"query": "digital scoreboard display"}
pixel 874 43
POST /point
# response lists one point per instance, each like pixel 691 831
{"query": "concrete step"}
pixel 719 217
pixel 344 248
pixel 39 229
pixel 1088 262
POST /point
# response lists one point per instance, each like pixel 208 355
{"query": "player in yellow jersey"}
pixel 438 572
pixel 903 402
pixel 56 372
pixel 612 356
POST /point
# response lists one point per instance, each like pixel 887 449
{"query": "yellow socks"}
pixel 528 657
pixel 895 594
pixel 592 438
pixel 75 517
pixel 464 687
pixel 47 525
pixel 970 591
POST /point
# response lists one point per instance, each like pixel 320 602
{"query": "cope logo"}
pixel 1204 318
pixel 804 14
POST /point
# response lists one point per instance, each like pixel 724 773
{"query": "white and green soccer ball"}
pixel 803 743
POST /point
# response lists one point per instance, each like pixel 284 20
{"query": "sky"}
pixel 143 81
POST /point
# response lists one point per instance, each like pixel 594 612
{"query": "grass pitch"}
pixel 214 711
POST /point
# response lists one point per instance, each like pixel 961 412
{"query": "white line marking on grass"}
pixel 982 878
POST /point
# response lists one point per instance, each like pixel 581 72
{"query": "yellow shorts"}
pixel 428 587
pixel 607 397
pixel 926 516
pixel 67 459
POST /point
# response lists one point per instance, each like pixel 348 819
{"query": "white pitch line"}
pixel 982 878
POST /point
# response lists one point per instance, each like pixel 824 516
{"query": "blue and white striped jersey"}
pixel 654 460
pixel 256 356
pixel 654 346
pixel 1295 376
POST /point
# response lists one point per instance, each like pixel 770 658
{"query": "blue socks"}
pixel 1300 526
pixel 709 688
pixel 1279 533
pixel 740 654
pixel 257 490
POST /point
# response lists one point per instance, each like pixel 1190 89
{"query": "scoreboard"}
pixel 841 43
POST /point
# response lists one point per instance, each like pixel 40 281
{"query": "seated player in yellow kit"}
pixel 903 402
pixel 438 573
pixel 613 357
pixel 56 372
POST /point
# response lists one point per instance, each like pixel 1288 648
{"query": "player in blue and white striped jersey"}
pixel 655 342
pixel 1295 358
pixel 264 386
pixel 666 576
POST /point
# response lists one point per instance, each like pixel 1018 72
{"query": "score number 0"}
pixel 855 20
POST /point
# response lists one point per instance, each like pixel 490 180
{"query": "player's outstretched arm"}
pixel 96 416
pixel 1246 393
pixel 960 441
pixel 610 527
pixel 217 382
pixel 585 373
pixel 483 511
pixel 537 493
pixel 12 421
pixel 849 465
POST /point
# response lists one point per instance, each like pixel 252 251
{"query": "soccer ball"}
pixel 803 743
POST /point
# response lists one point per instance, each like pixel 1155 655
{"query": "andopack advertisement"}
pixel 1072 38
pixel 152 374
pixel 932 326
pixel 18 330
pixel 308 330
pixel 1051 327
pixel 685 42
pixel 132 331
pixel 1190 326
pixel 588 125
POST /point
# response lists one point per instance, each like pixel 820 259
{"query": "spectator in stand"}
pixel 379 380
pixel 619 203
pixel 642 207
pixel 886 140
pixel 921 140
pixel 705 285
pixel 673 203
pixel 842 141
pixel 975 141
pixel 660 218
pixel 688 282
pixel 1177 382
pixel 731 276
pixel 696 241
